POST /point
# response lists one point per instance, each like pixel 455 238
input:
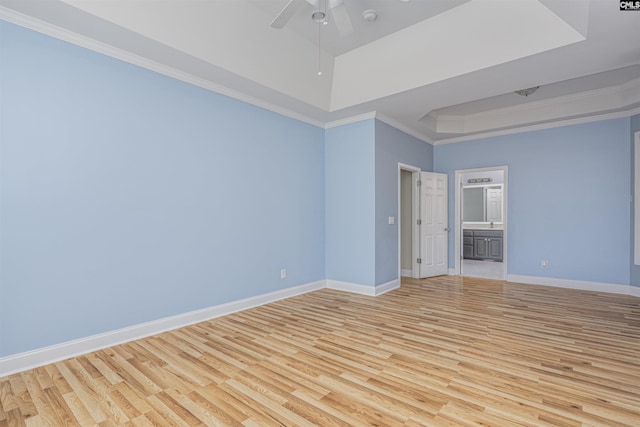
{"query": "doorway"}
pixel 406 220
pixel 481 222
pixel 423 223
pixel 408 213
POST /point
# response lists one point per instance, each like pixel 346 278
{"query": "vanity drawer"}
pixel 467 240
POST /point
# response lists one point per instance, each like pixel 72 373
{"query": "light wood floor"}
pixel 439 352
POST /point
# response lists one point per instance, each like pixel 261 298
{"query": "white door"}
pixel 433 226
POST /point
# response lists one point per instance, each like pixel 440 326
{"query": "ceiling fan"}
pixel 338 10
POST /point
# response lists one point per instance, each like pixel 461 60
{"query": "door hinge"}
pixel 419 222
pixel 419 183
pixel 419 260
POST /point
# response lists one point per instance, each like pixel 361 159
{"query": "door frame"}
pixel 457 240
pixel 415 213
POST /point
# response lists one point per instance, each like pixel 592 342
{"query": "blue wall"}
pixel 362 193
pixel 635 269
pixel 392 147
pixel 350 203
pixel 127 196
pixel 568 198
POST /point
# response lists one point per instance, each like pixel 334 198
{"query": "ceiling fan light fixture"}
pixel 527 92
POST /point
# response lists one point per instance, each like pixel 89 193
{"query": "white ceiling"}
pixel 442 70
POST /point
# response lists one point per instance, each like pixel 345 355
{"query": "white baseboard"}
pixel 351 287
pixel 51 354
pixel 386 287
pixel 574 284
pixel 363 289
pixel 406 272
pixel 46 355
pixel 452 272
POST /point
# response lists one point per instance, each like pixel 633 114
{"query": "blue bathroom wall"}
pixel 392 147
pixel 568 197
pixel 127 196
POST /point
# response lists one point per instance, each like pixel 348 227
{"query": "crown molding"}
pixel 349 120
pixel 628 89
pixel 385 119
pixel 518 118
pixel 592 102
pixel 76 39
pixel 541 126
pixel 559 100
pixel 54 31
pixel 396 124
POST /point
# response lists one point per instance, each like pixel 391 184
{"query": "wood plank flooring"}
pixel 446 351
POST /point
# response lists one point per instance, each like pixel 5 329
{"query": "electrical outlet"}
pixel 283 273
pixel 544 263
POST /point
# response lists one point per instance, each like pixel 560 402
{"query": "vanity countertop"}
pixel 482 227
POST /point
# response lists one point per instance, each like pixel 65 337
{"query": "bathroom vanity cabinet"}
pixel 483 245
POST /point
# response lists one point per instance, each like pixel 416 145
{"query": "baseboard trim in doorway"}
pixel 611 288
pixel 406 273
pixel 46 355
pixel 363 289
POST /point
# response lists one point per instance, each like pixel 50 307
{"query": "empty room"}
pixel 319 213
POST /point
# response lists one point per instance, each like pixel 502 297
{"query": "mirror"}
pixel 482 203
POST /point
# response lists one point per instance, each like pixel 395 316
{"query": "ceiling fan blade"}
pixel 286 13
pixel 342 19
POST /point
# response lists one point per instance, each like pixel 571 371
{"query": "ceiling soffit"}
pixel 615 98
pixel 474 35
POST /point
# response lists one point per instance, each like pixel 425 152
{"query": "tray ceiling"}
pixel 441 70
